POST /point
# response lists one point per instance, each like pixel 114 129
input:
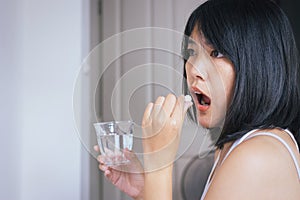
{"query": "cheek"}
pixel 223 84
pixel 229 83
pixel 188 73
pixel 229 93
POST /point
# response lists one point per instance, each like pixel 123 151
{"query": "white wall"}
pixel 40 55
pixel 9 100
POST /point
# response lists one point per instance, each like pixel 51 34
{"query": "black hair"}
pixel 256 36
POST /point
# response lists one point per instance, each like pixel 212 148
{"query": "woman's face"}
pixel 210 79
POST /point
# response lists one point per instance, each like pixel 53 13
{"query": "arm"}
pixel 162 123
pixel 259 168
pixel 158 184
pixel 159 153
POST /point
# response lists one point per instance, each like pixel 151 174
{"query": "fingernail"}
pixel 107 173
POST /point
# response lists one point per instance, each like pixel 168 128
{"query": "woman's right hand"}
pixel 128 178
pixel 162 124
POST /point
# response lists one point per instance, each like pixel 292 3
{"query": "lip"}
pixel 194 91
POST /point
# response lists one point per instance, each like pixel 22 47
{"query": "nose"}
pixel 197 71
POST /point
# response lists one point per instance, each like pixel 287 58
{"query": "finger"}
pixel 128 154
pixel 103 167
pixel 168 105
pixel 157 106
pixel 101 159
pixel 134 165
pixel 109 176
pixel 96 148
pixel 147 114
pixel 178 110
pixel 107 173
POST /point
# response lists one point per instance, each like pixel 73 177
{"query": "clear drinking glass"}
pixel 113 137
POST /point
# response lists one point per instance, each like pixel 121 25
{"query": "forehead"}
pixel 197 38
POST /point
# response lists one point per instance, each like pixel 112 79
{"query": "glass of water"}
pixel 113 137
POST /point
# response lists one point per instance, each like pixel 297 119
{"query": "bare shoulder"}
pixel 259 168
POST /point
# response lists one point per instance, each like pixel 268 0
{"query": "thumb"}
pixel 129 154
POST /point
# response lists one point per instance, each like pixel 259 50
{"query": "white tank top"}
pixel 246 137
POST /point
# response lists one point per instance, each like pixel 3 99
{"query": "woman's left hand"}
pixel 128 178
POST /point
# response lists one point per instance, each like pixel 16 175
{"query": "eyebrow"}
pixel 191 41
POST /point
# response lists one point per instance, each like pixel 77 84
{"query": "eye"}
pixel 190 52
pixel 216 54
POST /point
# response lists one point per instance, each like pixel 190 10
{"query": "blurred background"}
pixel 44 152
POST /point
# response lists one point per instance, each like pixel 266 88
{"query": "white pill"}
pixel 187 98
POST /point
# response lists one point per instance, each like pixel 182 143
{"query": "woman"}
pixel 242 70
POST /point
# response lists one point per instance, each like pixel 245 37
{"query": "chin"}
pixel 205 123
pixel 209 123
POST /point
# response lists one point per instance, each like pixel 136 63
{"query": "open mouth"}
pixel 203 101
